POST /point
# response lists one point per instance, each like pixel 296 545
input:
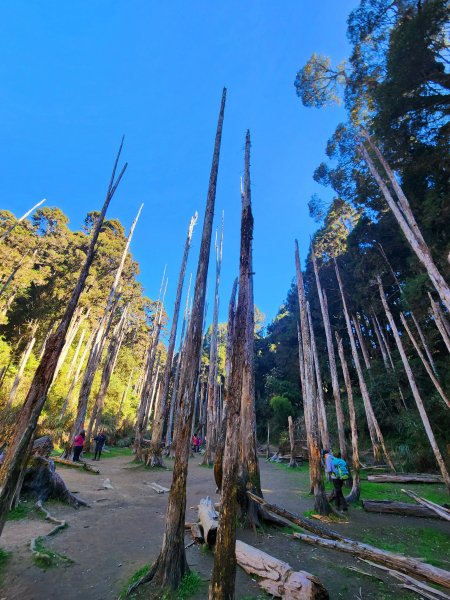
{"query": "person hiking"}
pixel 78 444
pixel 337 469
pixel 99 440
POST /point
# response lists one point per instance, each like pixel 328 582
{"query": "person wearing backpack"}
pixel 337 468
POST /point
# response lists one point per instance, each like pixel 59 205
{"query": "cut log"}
pixel 277 577
pixel 196 533
pixel 405 478
pixel 159 489
pixel 77 465
pixel 406 564
pixel 398 508
pixel 209 520
pixel 443 512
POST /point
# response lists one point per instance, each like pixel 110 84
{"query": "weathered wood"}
pixel 440 321
pixel 21 441
pixel 398 508
pixel 277 577
pixel 155 457
pixel 17 221
pixel 356 486
pixel 399 562
pixel 209 520
pixel 22 364
pixel 76 465
pixel 376 436
pixel 196 532
pixel 415 389
pixel 159 489
pixel 441 511
pixel 405 478
pixel 292 462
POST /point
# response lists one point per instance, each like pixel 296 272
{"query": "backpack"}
pixel 340 468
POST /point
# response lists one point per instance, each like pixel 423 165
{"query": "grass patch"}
pixel 133 579
pixel 393 491
pixel 4 558
pixel 211 466
pixel 422 542
pixel 47 559
pixel 110 452
pixel 24 510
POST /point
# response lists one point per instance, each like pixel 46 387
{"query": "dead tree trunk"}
pixel 17 221
pixel 440 322
pixel 292 462
pixel 374 429
pixel 356 487
pixel 425 363
pixel 224 570
pixel 15 270
pixel 75 356
pixel 414 388
pixel 76 377
pixel 361 341
pixel 171 564
pixel 77 320
pixel 99 342
pixel 218 461
pixel 122 401
pixel 321 412
pixel 155 458
pixel 110 361
pixel 22 365
pixel 321 504
pixel 405 218
pixel 22 438
pixel 212 372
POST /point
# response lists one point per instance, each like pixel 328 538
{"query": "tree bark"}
pixel 374 429
pixel 171 564
pixel 361 341
pixel 155 458
pixel 398 508
pixel 414 388
pixel 439 320
pixel 75 356
pixel 321 504
pixel 405 218
pixel 76 377
pixel 22 438
pixel 22 365
pixel 292 462
pixel 356 485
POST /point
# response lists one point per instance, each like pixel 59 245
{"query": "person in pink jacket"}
pixel 78 444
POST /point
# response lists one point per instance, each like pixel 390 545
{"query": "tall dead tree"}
pixel 171 564
pixel 356 485
pixel 224 570
pixel 21 440
pixel 321 504
pixel 405 218
pixel 17 221
pixel 155 458
pixel 362 343
pixel 212 372
pixel 123 399
pixel 98 344
pixel 74 360
pixel 440 321
pixel 22 364
pixel 331 358
pixel 78 318
pixel 77 375
pixel 321 411
pixel 376 436
pixel 414 388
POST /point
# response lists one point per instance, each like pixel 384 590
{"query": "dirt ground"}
pixel 122 531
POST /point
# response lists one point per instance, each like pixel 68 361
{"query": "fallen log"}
pixel 196 533
pixel 398 508
pixel 302 522
pixel 77 465
pixel 159 489
pixel 441 511
pixel 209 520
pixel 277 577
pixel 405 564
pixel 405 478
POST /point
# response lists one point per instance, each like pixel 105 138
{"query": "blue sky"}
pixel 76 75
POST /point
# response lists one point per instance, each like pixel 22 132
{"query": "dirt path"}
pixel 122 531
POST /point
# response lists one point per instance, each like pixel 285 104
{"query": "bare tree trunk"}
pixel 95 356
pixel 155 459
pixel 76 377
pixel 405 218
pixel 425 363
pixel 75 324
pixel 321 412
pixel 21 441
pixel 75 356
pixel 414 388
pixel 321 504
pixel 374 429
pixel 153 396
pixel 439 320
pixel 44 343
pixel 22 365
pixel 424 343
pixel 14 271
pixel 239 388
pixel 212 372
pixel 122 400
pixel 171 565
pixel 292 462
pixel 356 486
pixel 361 341
pixel 6 234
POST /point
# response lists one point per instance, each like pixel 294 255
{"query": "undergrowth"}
pixel 190 585
pixel 4 558
pixel 24 510
pixel 48 559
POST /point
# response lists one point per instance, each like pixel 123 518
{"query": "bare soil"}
pixel 122 531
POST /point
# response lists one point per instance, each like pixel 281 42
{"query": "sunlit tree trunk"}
pixel 414 388
pixel 22 364
pixel 17 221
pixel 21 440
pixel 77 374
pixel 123 399
pixel 356 486
pixel 75 356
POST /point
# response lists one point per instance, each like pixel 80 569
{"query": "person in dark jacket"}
pixel 78 444
pixel 99 440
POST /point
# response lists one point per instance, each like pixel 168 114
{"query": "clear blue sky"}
pixel 76 75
